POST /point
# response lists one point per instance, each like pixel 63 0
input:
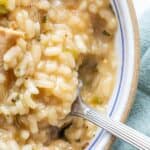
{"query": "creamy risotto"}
pixel 45 47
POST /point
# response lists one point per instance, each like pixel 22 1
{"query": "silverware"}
pixel 118 129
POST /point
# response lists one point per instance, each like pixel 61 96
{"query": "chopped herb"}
pixel 3 7
pixel 38 38
pixel 86 82
pixel 74 52
pixel 96 100
pixel 78 140
pixel 3 10
pixel 44 19
pixel 3 2
pixel 106 33
pixel 13 100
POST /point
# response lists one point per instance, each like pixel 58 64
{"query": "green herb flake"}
pixel 106 33
pixel 96 100
pixel 78 140
pixel 44 19
pixel 3 10
pixel 74 52
pixel 3 7
pixel 38 38
pixel 3 2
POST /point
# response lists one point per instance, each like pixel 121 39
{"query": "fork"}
pixel 118 129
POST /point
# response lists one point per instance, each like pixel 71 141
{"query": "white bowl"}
pixel 127 49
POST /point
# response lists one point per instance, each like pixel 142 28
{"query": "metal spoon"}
pixel 118 129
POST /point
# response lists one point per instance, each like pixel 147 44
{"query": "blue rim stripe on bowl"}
pixel 100 135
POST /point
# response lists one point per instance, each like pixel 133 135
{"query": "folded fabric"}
pixel 139 117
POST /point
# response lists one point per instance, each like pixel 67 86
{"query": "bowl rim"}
pixel 134 84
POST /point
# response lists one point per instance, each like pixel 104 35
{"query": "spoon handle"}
pixel 117 129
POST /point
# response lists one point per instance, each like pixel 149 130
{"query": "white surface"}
pixel 141 6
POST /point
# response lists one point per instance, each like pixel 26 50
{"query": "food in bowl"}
pixel 45 47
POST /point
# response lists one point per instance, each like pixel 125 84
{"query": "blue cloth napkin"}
pixel 139 117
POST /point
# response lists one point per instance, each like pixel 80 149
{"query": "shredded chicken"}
pixel 8 37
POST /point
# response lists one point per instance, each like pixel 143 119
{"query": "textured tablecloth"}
pixel 139 117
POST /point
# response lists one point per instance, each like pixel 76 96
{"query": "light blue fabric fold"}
pixel 139 117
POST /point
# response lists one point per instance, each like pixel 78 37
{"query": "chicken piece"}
pixel 8 38
pixel 11 32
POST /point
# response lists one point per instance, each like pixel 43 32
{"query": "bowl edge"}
pixel 134 84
